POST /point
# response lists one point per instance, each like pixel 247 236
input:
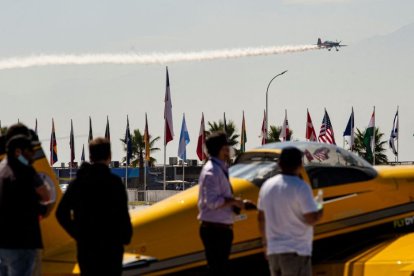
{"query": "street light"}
pixel 267 93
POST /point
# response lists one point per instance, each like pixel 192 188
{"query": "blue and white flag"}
pixel 394 134
pixel 184 140
pixel 349 133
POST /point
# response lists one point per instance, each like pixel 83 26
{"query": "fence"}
pixel 150 196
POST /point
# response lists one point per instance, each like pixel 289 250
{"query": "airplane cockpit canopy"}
pixel 326 165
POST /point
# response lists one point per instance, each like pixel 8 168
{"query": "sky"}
pixel 374 70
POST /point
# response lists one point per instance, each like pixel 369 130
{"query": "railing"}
pixel 150 196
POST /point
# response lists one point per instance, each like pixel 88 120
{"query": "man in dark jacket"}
pixel 94 211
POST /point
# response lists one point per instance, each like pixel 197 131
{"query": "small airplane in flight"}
pixel 330 44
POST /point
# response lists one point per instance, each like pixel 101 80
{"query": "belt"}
pixel 216 225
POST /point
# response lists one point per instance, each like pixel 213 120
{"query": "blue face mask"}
pixel 23 160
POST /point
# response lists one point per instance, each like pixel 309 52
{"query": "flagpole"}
pixel 165 157
pixel 183 174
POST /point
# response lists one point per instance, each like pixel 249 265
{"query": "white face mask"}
pixel 23 160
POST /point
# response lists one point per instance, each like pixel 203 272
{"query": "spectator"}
pixel 22 193
pixel 217 205
pixel 94 211
pixel 287 213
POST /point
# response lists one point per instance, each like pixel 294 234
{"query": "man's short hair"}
pixel 99 149
pixel 215 141
pixel 290 158
pixel 17 129
pixel 19 141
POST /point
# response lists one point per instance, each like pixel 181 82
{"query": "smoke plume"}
pixel 154 58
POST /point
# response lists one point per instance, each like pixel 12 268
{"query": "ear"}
pixel 17 152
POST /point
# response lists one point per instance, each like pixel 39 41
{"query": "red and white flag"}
pixel 201 140
pixel 169 132
pixel 264 132
pixel 284 133
pixel 310 130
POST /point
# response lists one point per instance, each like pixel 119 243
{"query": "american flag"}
pixel 321 154
pixel 326 135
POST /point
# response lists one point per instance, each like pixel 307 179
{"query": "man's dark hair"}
pixel 99 149
pixel 290 159
pixel 17 129
pixel 215 142
pixel 18 142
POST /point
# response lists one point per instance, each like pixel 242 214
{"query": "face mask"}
pixel 23 160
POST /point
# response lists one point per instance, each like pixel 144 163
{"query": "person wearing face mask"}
pixel 21 194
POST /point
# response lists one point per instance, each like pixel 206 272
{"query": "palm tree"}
pixel 274 133
pixel 138 151
pixel 361 150
pixel 231 130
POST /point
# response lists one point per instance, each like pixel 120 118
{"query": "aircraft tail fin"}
pixel 319 42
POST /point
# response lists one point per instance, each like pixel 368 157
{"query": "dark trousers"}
pixel 217 244
pixel 100 260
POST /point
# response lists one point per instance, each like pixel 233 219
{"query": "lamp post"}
pixel 267 103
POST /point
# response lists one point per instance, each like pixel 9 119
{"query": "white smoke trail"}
pixel 155 58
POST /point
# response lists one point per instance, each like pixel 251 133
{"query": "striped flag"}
pixel 201 140
pixel 263 133
pixel 326 134
pixel 369 138
pixel 72 144
pixel 147 141
pixel 243 138
pixel 394 134
pixel 90 136
pixel 107 132
pixel 310 130
pixel 349 133
pixel 53 146
pixel 169 132
pixel 284 133
pixel 184 141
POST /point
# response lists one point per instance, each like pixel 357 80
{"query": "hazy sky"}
pixel 376 68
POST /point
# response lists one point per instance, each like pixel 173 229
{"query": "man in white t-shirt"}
pixel 287 213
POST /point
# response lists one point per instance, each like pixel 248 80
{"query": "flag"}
pixel 107 132
pixel 284 133
pixel 53 146
pixel 264 130
pixel 224 123
pixel 201 140
pixel 326 134
pixel 394 134
pixel 72 144
pixel 169 132
pixel 184 140
pixel 369 137
pixel 243 138
pixel 83 153
pixel 349 133
pixel 35 127
pixel 321 154
pixel 147 140
pixel 128 143
pixel 90 136
pixel 310 130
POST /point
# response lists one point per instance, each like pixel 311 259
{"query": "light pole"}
pixel 267 104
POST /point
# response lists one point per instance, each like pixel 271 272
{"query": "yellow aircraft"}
pixel 367 211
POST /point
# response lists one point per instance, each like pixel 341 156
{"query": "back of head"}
pixel 17 129
pixel 99 150
pixel 290 159
pixel 18 141
pixel 215 142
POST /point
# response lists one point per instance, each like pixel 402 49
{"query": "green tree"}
pixel 232 134
pixel 138 151
pixel 274 133
pixel 361 150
